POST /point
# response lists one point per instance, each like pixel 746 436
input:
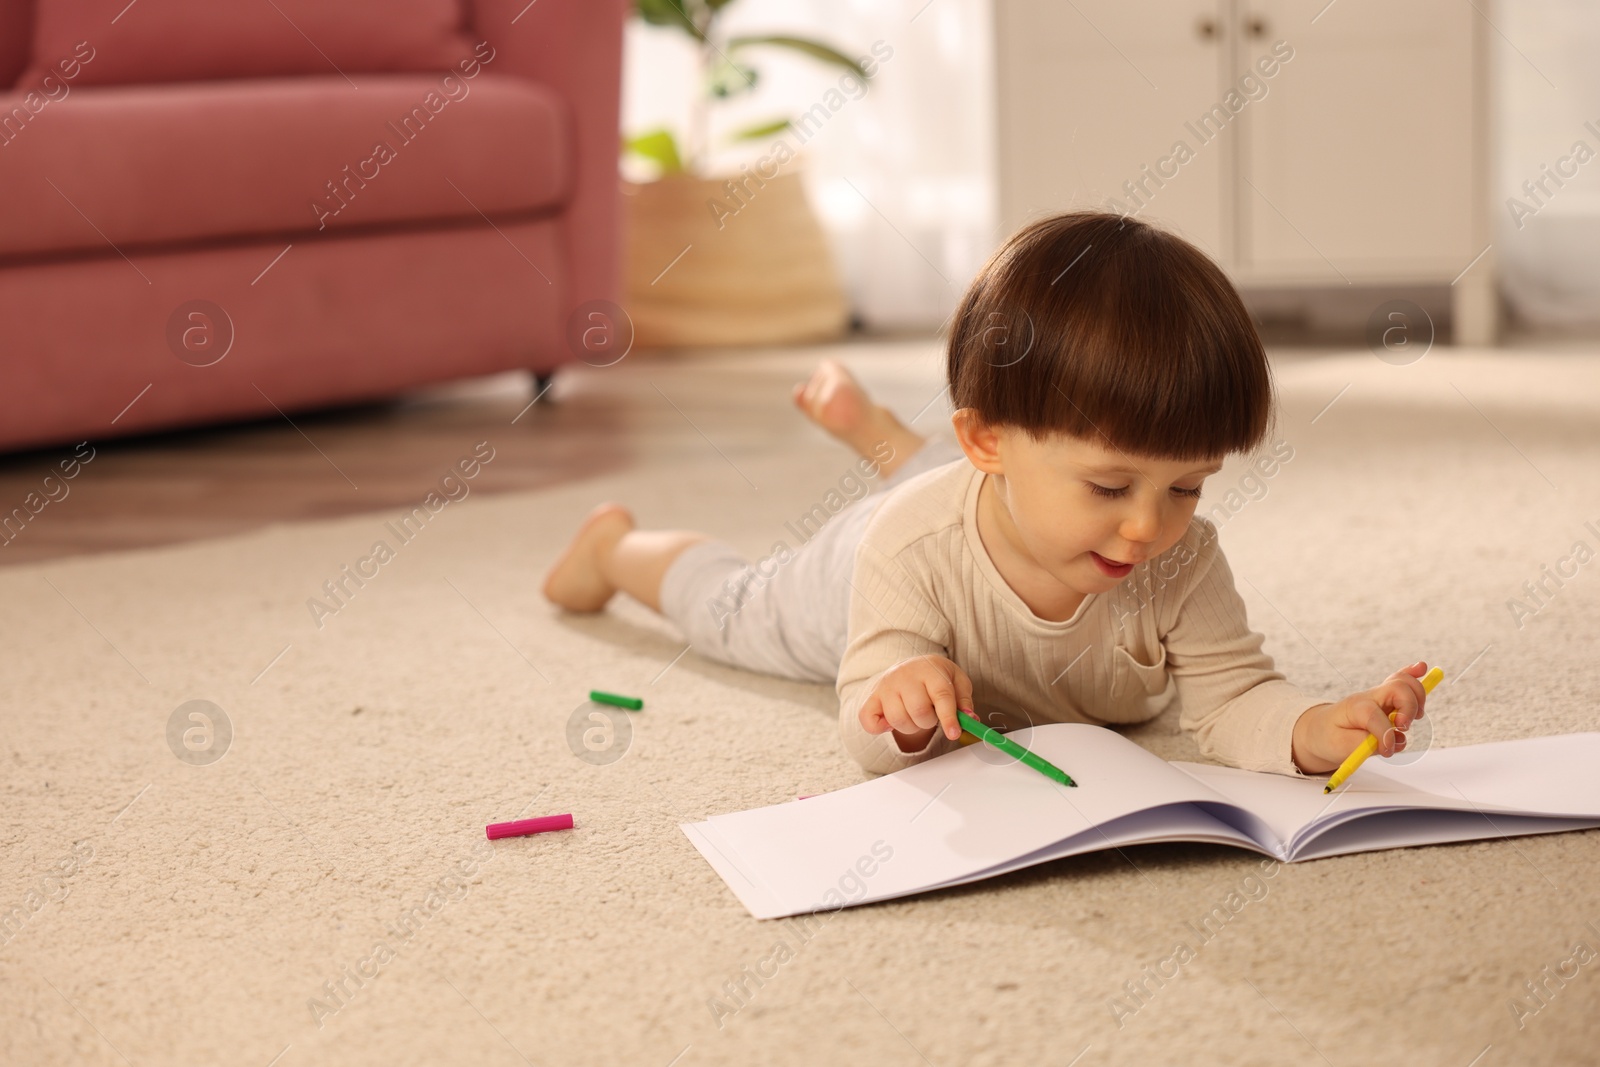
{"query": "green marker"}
pixel 1012 749
pixel 631 703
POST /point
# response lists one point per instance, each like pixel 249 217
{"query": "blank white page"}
pixel 1282 803
pixel 1404 829
pixel 936 822
pixel 1555 776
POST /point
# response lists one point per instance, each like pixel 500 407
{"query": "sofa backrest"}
pixel 16 34
pixel 201 40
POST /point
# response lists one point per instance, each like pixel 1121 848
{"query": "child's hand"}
pixel 915 697
pixel 1326 734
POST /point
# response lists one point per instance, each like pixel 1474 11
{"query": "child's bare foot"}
pixel 577 582
pixel 835 401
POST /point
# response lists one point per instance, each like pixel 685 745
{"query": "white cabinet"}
pixel 1299 143
pixel 1092 91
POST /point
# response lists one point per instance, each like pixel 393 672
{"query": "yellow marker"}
pixel 1370 745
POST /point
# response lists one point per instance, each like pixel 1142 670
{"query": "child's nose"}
pixel 1142 526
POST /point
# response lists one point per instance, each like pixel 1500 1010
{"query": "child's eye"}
pixel 1107 491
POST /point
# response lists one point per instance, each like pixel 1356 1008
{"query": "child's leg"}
pixel 784 615
pixel 750 615
pixel 608 555
pixel 834 400
pixel 721 602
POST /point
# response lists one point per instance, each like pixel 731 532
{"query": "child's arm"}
pixel 897 684
pixel 1242 711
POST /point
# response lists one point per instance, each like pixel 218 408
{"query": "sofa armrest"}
pixel 575 48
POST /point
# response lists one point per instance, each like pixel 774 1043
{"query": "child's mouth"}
pixel 1114 570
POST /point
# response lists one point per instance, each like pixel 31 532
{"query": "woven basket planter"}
pixel 706 267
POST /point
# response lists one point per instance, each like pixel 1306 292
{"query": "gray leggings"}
pixel 786 614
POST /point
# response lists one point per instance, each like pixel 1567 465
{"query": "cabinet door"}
pixel 1364 160
pixel 1091 93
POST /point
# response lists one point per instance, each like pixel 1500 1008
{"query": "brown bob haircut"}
pixel 1113 331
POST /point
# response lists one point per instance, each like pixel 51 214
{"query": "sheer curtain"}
pixel 1547 87
pixel 900 173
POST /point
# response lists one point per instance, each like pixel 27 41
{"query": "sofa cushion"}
pixel 194 40
pixel 147 165
pixel 16 32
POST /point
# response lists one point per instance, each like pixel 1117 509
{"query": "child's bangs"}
pixel 1152 373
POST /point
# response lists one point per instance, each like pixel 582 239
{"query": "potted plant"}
pixel 737 257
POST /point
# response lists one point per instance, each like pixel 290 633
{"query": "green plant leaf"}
pixel 760 130
pixel 677 13
pixel 815 49
pixel 728 79
pixel 658 146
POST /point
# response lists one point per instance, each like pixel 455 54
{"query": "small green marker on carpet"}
pixel 1012 749
pixel 600 697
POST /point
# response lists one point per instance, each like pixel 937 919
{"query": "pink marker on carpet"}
pixel 523 827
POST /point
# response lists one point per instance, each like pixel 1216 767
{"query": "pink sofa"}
pixel 212 211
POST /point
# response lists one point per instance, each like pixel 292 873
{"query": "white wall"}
pixel 1546 78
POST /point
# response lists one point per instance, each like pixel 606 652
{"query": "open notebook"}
pixel 974 813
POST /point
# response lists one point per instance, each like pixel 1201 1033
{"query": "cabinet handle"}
pixel 1207 29
pixel 1256 26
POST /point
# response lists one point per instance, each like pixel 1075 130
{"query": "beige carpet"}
pixel 166 913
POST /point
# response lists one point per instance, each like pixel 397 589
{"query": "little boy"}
pixel 1100 369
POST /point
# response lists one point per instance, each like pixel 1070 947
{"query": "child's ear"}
pixel 978 440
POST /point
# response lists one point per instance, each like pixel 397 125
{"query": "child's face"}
pixel 1071 501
